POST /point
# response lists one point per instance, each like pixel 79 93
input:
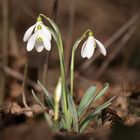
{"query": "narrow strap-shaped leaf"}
pixel 62 123
pixel 46 115
pixel 102 91
pixel 48 97
pixel 87 99
pixel 85 122
pixel 37 99
pixel 69 120
pixel 72 109
pixel 48 119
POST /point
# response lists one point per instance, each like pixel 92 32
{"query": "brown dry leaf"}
pixel 29 113
pixel 16 109
pixel 131 119
pixel 37 108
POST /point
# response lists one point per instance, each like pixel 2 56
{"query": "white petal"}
pixel 90 47
pixel 39 33
pixel 31 42
pixel 46 32
pixel 83 52
pixel 39 48
pixel 28 33
pixel 47 44
pixel 101 47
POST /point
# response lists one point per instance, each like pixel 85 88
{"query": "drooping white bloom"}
pixel 89 46
pixel 38 36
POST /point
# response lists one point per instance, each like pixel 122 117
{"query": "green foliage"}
pixel 87 99
pixel 77 118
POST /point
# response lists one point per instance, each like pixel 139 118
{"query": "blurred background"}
pixel 115 23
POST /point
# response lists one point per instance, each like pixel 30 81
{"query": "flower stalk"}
pixel 72 60
pixel 61 58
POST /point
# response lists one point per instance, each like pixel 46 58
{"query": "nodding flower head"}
pixel 38 36
pixel 89 46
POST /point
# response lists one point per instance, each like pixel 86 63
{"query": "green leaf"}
pixel 73 111
pixel 48 119
pixel 37 99
pixel 87 99
pixel 62 123
pixel 48 97
pixel 102 92
pixel 69 120
pixel 85 122
pixel 46 115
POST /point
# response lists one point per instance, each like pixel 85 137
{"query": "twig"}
pixel 112 39
pixel 117 49
pixel 18 76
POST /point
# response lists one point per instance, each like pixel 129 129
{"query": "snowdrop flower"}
pixel 89 46
pixel 38 36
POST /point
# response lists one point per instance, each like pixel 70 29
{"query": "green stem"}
pixel 72 60
pixel 61 57
pixel 72 71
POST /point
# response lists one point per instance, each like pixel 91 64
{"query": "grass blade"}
pixel 72 109
pixel 87 99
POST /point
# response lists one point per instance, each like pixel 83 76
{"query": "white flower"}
pixel 89 46
pixel 38 36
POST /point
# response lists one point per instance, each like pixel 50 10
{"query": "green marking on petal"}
pixel 95 46
pixel 39 39
pixel 39 27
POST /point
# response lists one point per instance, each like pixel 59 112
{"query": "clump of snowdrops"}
pixel 67 115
